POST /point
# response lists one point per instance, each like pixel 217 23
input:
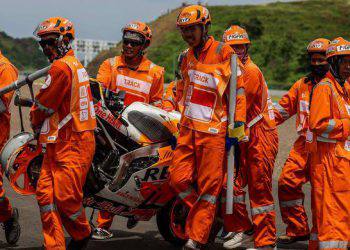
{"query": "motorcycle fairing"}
pixel 126 159
pixel 146 185
pixel 19 153
pixel 141 214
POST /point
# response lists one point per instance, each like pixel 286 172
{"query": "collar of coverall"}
pixel 207 45
pixel 248 61
pixel 310 80
pixel 144 64
pixel 338 87
pixel 70 53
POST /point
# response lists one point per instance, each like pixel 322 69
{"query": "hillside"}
pixel 279 32
pixel 24 53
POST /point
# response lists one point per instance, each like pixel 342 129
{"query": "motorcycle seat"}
pixel 149 126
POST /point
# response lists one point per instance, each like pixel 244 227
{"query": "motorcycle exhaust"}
pixel 28 80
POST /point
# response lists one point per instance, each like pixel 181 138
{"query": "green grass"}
pixel 279 33
pixel 24 53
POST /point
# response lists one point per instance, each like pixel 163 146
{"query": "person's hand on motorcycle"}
pixel 36 131
pixel 235 134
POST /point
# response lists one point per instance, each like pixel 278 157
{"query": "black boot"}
pixel 12 228
pixel 78 244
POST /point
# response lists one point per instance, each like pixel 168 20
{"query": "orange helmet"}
pixel 236 35
pixel 339 46
pixel 55 25
pixel 318 45
pixel 140 28
pixel 194 14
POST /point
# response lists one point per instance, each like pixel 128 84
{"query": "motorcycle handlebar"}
pixel 29 79
pixel 25 102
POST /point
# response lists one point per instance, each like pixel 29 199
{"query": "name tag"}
pixel 203 79
pixel 134 84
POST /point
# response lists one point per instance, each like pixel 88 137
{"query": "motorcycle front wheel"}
pixel 171 221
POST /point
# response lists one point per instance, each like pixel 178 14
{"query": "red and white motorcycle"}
pixel 129 174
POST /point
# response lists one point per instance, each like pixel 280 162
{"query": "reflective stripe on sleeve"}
pixel 329 129
pixel 322 139
pixel 282 111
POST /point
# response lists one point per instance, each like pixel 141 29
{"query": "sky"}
pixel 94 19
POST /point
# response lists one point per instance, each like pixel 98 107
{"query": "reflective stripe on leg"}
pixel 333 244
pixel 47 208
pixel 292 203
pixel 183 195
pixel 209 198
pixel 75 216
pixel 263 209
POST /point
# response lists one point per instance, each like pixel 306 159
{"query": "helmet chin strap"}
pixel 204 39
pixel 334 68
pixel 204 36
pixel 62 48
pixel 245 56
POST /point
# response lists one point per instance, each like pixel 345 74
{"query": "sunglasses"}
pixel 133 43
pixel 47 42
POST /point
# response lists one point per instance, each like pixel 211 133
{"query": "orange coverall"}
pixel 199 156
pixel 145 84
pixel 295 172
pixel 8 74
pixel 67 160
pixel 257 159
pixel 330 162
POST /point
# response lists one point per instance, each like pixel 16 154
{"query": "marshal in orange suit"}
pixel 63 118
